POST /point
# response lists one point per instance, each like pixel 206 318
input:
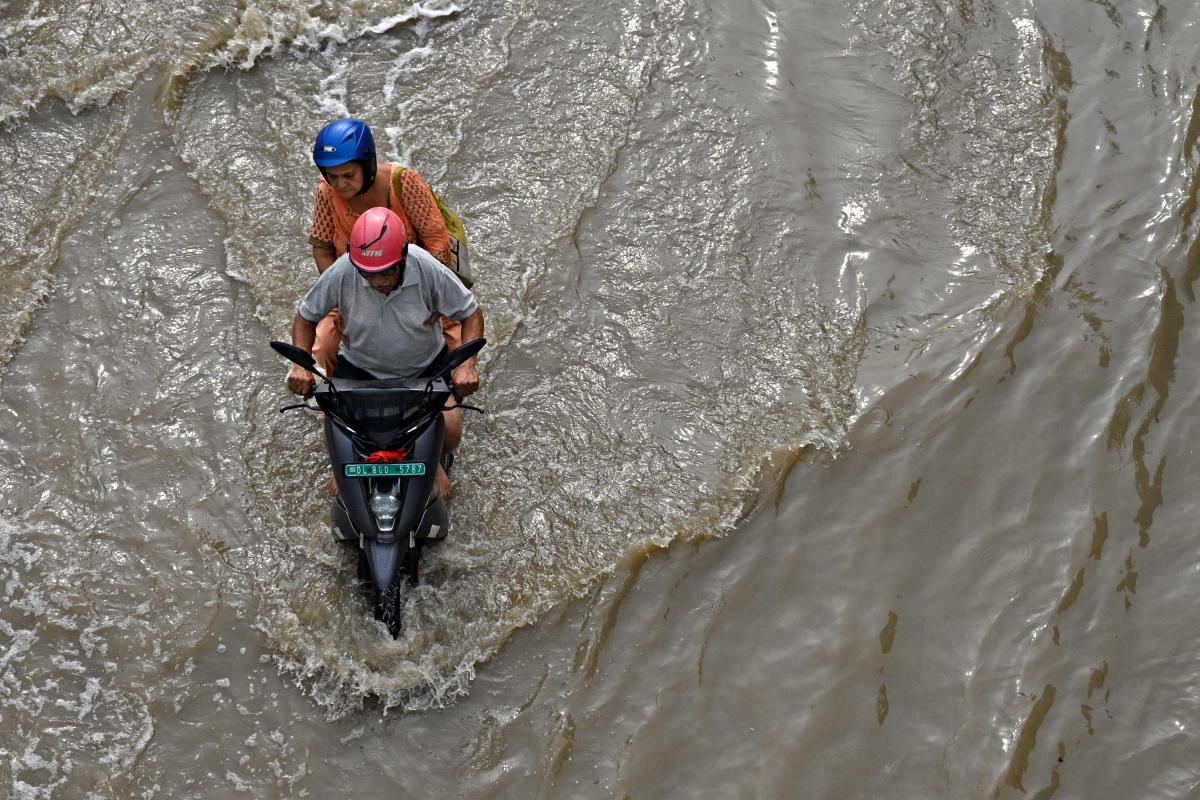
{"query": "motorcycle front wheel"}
pixel 388 604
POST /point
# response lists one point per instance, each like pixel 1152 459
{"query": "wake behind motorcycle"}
pixel 384 439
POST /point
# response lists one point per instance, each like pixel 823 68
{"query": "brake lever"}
pixel 298 405
pixel 467 407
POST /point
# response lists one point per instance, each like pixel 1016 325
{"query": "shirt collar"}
pixel 408 273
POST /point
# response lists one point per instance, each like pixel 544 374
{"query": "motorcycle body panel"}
pixel 339 522
pixel 351 491
pixel 435 521
pixel 426 449
pixel 385 547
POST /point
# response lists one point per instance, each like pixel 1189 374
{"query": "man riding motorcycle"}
pixel 392 295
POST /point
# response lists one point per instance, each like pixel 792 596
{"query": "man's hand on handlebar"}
pixel 465 379
pixel 300 381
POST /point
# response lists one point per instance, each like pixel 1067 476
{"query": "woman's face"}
pixel 346 179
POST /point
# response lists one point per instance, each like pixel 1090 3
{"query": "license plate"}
pixel 400 469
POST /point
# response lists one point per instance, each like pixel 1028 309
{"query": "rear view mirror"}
pixel 298 356
pixel 463 352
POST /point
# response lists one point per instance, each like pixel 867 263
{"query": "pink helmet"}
pixel 378 240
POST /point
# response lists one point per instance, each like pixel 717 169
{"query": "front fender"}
pixel 384 560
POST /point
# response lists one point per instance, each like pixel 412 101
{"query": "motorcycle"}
pixel 384 439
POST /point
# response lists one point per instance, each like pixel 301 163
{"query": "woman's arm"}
pixel 422 211
pixel 324 256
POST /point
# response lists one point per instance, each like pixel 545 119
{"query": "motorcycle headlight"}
pixel 385 508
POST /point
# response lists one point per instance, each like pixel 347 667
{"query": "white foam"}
pixel 262 32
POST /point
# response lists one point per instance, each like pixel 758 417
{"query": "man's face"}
pixel 346 179
pixel 382 281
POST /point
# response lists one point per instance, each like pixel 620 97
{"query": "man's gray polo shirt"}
pixel 386 334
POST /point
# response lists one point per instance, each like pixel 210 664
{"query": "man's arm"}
pixel 304 333
pixel 465 378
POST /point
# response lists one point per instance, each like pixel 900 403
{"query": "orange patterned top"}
pixel 408 195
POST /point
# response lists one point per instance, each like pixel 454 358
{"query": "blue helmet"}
pixel 345 140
